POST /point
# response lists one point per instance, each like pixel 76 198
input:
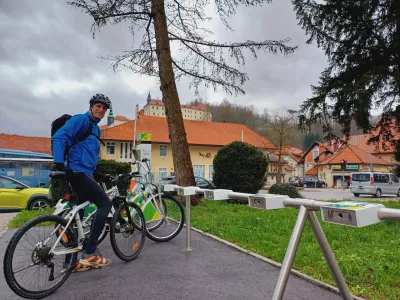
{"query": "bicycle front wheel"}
pixel 30 268
pixel 169 222
pixel 127 235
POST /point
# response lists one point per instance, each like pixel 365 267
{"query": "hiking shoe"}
pixel 80 268
pixel 94 260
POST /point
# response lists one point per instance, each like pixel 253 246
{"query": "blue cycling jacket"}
pixel 83 156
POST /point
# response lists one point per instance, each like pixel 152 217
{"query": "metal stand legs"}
pixel 188 225
pixel 292 249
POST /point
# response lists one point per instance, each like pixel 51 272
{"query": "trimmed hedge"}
pixel 58 188
pixel 285 189
pixel 112 167
pixel 240 167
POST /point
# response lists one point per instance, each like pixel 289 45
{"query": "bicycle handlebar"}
pixel 57 174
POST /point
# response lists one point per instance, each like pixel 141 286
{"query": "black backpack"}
pixel 60 122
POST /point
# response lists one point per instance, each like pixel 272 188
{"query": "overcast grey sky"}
pixel 50 65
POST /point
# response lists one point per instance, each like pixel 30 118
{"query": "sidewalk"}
pixel 5 218
pixel 165 271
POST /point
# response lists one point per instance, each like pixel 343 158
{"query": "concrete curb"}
pixel 3 231
pixel 276 264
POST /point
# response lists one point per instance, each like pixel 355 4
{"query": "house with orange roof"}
pixel 329 169
pixel 273 164
pixel 25 143
pixel 292 156
pixel 316 152
pixel 155 108
pixel 204 139
pixel 26 158
pixel 317 160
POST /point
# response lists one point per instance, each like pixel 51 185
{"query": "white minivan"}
pixel 374 183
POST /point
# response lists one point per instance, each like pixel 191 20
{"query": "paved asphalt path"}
pixel 164 271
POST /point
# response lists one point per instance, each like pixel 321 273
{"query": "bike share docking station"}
pixel 348 213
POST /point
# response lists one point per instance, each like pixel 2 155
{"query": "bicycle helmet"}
pixel 100 98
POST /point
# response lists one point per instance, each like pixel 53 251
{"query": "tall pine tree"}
pixel 362 42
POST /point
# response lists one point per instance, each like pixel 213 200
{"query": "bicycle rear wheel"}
pixel 30 270
pixel 127 237
pixel 170 221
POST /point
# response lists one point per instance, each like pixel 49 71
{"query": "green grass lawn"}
pixel 26 215
pixel 368 256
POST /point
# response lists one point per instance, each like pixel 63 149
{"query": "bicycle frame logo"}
pixel 147 202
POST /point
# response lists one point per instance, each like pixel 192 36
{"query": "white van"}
pixel 374 183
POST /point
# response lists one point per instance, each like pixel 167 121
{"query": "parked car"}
pixel 374 183
pixel 200 182
pixel 296 181
pixel 15 195
pixel 311 182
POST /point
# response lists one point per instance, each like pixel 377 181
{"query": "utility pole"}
pixel 343 164
pixel 134 130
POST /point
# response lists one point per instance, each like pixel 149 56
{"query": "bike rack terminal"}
pixel 354 214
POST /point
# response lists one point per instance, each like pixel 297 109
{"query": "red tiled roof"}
pixel 198 132
pixel 121 118
pixel 378 148
pixel 324 156
pixel 361 140
pixel 25 143
pixel 312 171
pixel 353 155
pixel 294 152
pixel 325 147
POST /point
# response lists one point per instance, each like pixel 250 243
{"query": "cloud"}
pixel 50 64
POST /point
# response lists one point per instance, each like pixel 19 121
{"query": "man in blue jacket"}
pixel 80 166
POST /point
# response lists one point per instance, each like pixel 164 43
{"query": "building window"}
pixel 198 170
pixel 162 173
pixel 210 172
pixel 121 150
pixel 154 114
pixel 110 148
pixel 163 150
pixel 130 148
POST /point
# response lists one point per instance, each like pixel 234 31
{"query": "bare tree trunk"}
pixel 279 174
pixel 180 148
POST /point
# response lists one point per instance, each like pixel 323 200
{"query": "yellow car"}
pixel 17 195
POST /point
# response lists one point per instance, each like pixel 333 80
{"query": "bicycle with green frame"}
pixel 163 213
pixel 42 253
